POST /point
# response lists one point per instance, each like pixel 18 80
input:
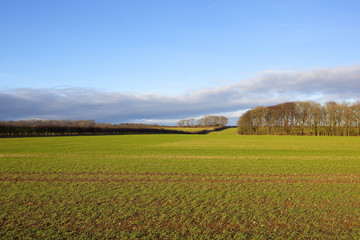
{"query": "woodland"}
pixel 302 118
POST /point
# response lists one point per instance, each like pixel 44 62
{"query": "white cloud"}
pixel 270 87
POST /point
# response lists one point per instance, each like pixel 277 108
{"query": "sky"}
pixel 160 61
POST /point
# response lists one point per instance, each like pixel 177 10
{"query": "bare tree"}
pixel 213 121
pixel 181 123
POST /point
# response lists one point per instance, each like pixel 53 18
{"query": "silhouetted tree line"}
pixel 25 128
pixel 206 121
pixel 70 123
pixel 52 123
pixel 302 118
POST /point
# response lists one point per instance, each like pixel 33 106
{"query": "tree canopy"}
pixel 206 121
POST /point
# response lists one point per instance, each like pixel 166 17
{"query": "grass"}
pixel 218 185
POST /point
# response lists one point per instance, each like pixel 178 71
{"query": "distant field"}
pixel 189 129
pixel 229 131
pixel 219 185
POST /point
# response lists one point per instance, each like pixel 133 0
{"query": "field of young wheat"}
pixel 219 185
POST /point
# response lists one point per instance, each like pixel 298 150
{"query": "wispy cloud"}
pixel 270 87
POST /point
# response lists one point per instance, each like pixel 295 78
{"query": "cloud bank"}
pixel 269 87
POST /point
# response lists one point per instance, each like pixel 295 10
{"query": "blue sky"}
pixel 171 57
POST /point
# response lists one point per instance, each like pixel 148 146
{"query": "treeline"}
pixel 37 128
pixel 22 131
pixel 34 127
pixel 206 121
pixel 70 123
pixel 302 118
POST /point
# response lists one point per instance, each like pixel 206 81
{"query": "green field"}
pixel 215 186
pixel 190 129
